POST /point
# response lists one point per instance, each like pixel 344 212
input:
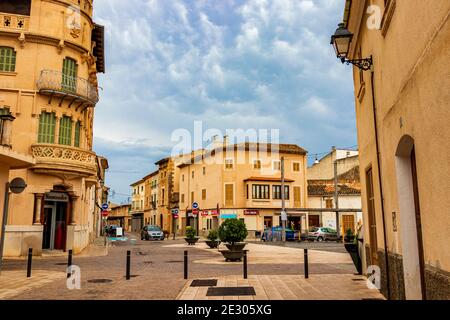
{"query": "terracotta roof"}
pixel 268 179
pixel 154 173
pixel 328 189
pixel 136 183
pixel 248 146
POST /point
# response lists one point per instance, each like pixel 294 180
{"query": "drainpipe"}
pixel 372 76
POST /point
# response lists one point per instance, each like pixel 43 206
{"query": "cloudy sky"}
pixel 228 63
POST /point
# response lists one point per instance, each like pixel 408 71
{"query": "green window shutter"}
pixel 47 123
pixel 65 131
pixel 7 59
pixel 77 134
pixel 69 75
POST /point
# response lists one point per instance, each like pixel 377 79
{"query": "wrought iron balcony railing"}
pixel 56 83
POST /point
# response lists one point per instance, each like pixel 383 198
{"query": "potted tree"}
pixel 191 237
pixel 212 237
pixel 233 232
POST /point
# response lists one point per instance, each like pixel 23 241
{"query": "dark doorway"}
pixel 22 7
pixel 55 225
pixel 268 222
pixel 294 223
pixel 313 221
pixel 372 218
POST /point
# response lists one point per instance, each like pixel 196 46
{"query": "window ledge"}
pixel 7 73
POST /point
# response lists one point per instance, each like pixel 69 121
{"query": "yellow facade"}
pixel 58 50
pixel 238 181
pixel 151 199
pixel 406 98
pixel 137 205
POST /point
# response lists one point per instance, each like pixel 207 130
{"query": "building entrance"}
pixel 55 225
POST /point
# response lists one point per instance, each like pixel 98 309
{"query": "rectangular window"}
pixel 7 59
pixel 47 124
pixel 229 195
pixel 276 192
pixel 204 170
pixel 297 197
pixel 277 165
pixel 182 177
pixel 256 164
pixel 204 194
pixel 77 134
pixel 182 198
pixel 329 203
pixel 192 174
pixel 296 166
pixel 69 75
pixel 229 164
pixel 192 196
pixel 65 131
pixel 261 191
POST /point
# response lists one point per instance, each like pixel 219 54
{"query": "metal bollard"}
pixel 305 262
pixel 128 264
pixel 245 264
pixel 30 259
pixel 185 264
pixel 69 263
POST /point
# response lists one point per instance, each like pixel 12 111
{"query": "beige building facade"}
pixel 50 53
pixel 120 215
pixel 151 199
pixel 243 181
pixel 402 113
pixel 137 205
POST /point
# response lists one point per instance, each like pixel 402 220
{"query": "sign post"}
pixel 195 213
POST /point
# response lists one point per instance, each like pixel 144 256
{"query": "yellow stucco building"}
pixel 50 53
pixel 243 181
pixel 402 112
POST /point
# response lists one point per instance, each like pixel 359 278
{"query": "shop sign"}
pixel 214 213
pixel 195 211
pixel 228 216
pixel 57 197
pixel 204 213
pixel 251 212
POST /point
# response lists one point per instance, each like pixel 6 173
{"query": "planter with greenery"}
pixel 233 232
pixel 191 238
pixel 349 236
pixel 212 237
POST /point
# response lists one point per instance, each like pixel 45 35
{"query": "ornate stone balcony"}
pixel 80 91
pixel 54 157
pixel 14 22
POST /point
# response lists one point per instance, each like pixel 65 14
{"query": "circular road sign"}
pixel 195 205
pixel 105 206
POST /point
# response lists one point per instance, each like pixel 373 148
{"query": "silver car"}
pixel 152 232
pixel 322 234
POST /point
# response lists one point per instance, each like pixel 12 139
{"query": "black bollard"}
pixel 30 259
pixel 245 264
pixel 69 263
pixel 128 264
pixel 185 264
pixel 305 262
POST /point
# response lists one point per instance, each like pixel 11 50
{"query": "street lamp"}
pixel 341 40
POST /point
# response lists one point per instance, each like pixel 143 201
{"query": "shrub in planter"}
pixel 191 238
pixel 212 237
pixel 349 236
pixel 233 232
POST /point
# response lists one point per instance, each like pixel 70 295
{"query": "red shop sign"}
pixel 204 213
pixel 214 213
pixel 195 211
pixel 251 212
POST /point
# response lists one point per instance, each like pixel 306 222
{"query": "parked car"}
pixel 276 233
pixel 322 234
pixel 152 232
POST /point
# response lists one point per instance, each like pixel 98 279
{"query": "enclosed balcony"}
pixel 60 158
pixel 56 84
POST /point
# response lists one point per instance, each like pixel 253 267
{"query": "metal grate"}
pixel 230 291
pixel 99 281
pixel 204 283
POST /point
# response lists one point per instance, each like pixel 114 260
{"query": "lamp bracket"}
pixel 363 64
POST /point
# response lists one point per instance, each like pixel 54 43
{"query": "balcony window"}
pixel 257 164
pixel 7 59
pixel 47 124
pixel 77 134
pixel 260 192
pixel 4 111
pixel 276 191
pixel 229 164
pixel 65 131
pixel 69 75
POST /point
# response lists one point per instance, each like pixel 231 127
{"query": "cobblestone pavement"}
pixel 157 271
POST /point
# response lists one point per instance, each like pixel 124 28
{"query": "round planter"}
pixel 191 241
pixel 236 247
pixel 212 243
pixel 232 255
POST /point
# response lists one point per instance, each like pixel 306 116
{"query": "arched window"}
pixel 7 59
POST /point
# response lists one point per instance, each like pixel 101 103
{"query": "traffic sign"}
pixel 105 206
pixel 174 211
pixel 195 205
pixel 175 216
pixel 105 213
pixel 195 211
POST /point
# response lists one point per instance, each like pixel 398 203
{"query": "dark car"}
pixel 152 232
pixel 276 233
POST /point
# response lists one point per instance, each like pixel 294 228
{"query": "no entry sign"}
pixel 105 213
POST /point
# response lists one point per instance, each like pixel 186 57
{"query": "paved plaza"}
pixel 275 272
